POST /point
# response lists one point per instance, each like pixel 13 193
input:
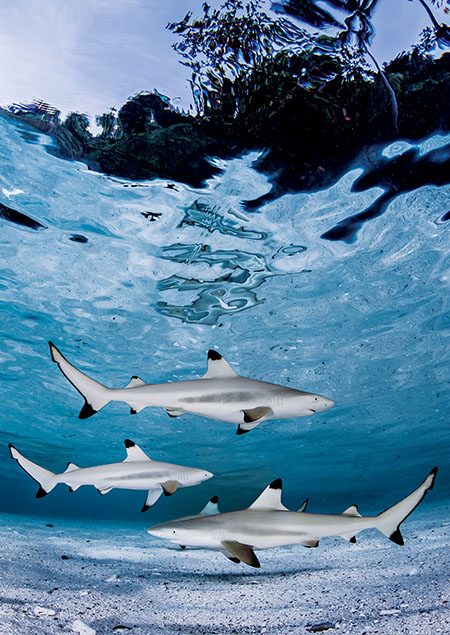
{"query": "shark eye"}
pixel 316 399
pixel 173 531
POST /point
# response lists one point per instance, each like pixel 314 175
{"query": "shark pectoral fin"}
pixel 169 487
pixel 243 430
pixel 303 506
pixel 310 543
pixel 153 495
pixel 254 415
pixel 230 557
pixel 173 412
pixel 104 490
pixel 252 418
pixel 218 367
pixel 242 552
pixel 134 452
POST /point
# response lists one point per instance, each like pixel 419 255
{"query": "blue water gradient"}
pixel 140 278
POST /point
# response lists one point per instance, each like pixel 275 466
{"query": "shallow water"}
pixel 140 278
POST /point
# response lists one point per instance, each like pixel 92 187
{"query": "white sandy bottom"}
pixel 121 580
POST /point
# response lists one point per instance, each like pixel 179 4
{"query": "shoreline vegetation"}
pixel 310 101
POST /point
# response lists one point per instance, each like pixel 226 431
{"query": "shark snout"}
pixel 159 532
pixel 198 476
pixel 321 404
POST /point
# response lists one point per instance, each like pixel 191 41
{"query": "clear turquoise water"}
pixel 363 323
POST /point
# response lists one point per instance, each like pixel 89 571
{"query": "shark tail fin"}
pixel 96 395
pixel 389 521
pixel 46 479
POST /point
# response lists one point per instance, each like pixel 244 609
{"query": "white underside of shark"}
pixel 220 394
pixel 137 472
pixel 267 523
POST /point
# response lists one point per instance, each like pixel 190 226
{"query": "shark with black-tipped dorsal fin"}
pixel 212 507
pixel 220 394
pixel 136 472
pixel 267 523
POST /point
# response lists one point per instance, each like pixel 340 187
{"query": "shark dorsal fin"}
pixel 135 382
pixel 211 507
pixel 352 511
pixel 303 506
pixel 218 367
pixel 270 499
pixel 71 467
pixel 134 452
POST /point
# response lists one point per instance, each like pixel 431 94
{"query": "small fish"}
pixel 220 394
pixel 267 523
pixel 136 472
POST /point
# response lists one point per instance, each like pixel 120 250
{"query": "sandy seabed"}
pixel 86 579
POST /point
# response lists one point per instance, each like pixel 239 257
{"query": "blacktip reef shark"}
pixel 137 472
pixel 220 394
pixel 267 523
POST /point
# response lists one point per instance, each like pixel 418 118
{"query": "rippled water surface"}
pixel 143 278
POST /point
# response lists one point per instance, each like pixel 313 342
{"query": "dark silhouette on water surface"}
pixel 404 173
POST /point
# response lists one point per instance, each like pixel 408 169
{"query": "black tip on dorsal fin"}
pixel 214 500
pixel 145 507
pixel 41 492
pixel 133 411
pixel 182 546
pixel 214 355
pixel 86 411
pixel 353 539
pixel 129 443
pixel 397 537
pixel 276 484
pixel 134 377
pixel 11 448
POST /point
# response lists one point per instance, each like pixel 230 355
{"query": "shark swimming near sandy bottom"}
pixel 220 394
pixel 267 523
pixel 136 472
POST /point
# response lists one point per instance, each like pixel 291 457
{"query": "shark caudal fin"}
pixel 389 521
pixel 46 479
pixel 96 395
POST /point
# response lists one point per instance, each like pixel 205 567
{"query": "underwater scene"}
pixel 224 351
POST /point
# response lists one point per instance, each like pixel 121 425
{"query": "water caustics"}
pixel 169 271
